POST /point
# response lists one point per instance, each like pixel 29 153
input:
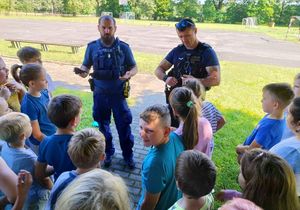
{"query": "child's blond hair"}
pixel 12 125
pixel 96 189
pixel 85 148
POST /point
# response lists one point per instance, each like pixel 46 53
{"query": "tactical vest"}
pixel 190 63
pixel 108 62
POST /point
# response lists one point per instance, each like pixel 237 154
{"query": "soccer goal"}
pixel 106 13
pixel 127 15
pixel 249 22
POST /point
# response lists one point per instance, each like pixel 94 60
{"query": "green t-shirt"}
pixel 209 204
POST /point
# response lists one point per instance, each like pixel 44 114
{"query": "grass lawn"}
pixel 278 32
pixel 238 98
pixel 146 62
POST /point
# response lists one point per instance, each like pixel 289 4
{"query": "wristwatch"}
pixel 165 78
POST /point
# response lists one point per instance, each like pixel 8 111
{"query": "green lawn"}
pixel 238 98
pixel 278 32
pixel 146 62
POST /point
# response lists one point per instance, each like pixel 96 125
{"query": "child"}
pixel 195 176
pixel 15 188
pixel 268 132
pixel 287 133
pixel 32 55
pixel 102 190
pixel 15 127
pixel 267 180
pixel 35 102
pixel 11 91
pixel 86 150
pixel 63 111
pixel 196 131
pixel 3 111
pixel 209 111
pixel 289 149
pixel 159 189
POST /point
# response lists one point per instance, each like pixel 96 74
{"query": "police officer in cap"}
pixel 192 58
pixel 113 65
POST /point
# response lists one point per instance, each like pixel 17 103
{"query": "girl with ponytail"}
pixel 196 131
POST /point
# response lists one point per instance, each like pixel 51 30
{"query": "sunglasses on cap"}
pixel 184 23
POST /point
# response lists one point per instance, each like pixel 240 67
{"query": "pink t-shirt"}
pixel 205 136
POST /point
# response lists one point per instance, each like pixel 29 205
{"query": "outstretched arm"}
pixel 8 181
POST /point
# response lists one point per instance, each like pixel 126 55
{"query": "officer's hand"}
pixel 171 81
pixel 83 75
pixel 185 77
pixel 126 76
pixel 80 72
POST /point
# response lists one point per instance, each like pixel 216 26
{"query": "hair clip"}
pixel 189 104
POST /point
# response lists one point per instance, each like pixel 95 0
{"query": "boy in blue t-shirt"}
pixel 86 149
pixel 159 190
pixel 64 112
pixel 15 127
pixel 268 132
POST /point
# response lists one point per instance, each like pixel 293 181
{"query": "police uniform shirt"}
pixel 200 57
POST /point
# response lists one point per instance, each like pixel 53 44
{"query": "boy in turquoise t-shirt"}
pixel 159 189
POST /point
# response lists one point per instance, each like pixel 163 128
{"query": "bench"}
pixel 16 43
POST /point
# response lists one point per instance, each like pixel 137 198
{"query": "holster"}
pixel 92 84
pixel 126 89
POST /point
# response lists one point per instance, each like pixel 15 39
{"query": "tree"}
pixel 110 6
pixel 25 5
pixel 76 7
pixel 143 9
pixel 209 11
pixel 5 5
pixel 163 9
pixel 188 8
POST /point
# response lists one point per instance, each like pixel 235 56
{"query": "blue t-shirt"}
pixel 101 57
pixel 200 58
pixel 24 158
pixel 61 183
pixel 287 132
pixel 267 133
pixel 158 172
pixel 36 109
pixel 289 149
pixel 53 151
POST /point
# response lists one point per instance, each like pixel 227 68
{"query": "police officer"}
pixel 113 66
pixel 192 58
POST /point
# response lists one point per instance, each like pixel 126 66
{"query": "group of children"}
pixel 59 168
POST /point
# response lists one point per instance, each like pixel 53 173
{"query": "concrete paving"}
pixel 231 46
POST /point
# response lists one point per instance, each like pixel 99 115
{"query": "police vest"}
pixel 108 62
pixel 191 62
